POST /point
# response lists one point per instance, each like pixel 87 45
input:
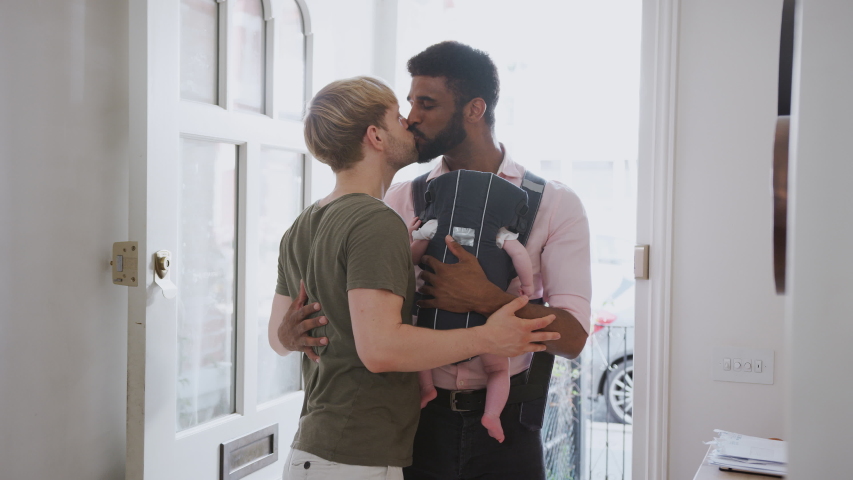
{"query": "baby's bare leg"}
pixel 418 250
pixel 497 392
pixel 427 388
pixel 521 262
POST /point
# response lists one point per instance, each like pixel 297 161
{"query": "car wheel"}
pixel 619 391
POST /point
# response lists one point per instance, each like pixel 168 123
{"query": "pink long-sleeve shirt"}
pixel 559 252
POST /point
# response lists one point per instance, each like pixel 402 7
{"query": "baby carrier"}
pixel 533 393
pixel 472 207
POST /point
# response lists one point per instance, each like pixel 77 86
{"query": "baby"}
pixel 473 205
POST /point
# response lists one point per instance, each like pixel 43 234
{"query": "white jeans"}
pixel 320 469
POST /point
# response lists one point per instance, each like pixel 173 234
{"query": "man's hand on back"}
pixel 295 330
pixel 510 336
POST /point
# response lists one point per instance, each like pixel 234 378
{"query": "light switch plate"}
pixel 761 363
pixel 641 262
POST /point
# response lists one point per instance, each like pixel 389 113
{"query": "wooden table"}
pixel 712 472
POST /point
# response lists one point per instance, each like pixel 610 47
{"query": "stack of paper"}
pixel 749 454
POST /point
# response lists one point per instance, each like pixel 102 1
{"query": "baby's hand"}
pixel 413 225
pixel 525 290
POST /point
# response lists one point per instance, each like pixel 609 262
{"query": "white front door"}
pixel 217 173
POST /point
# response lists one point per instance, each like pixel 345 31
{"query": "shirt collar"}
pixel 508 169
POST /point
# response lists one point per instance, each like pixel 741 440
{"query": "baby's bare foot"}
pixel 427 394
pixel 493 425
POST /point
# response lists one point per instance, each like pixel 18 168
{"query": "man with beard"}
pixel 350 252
pixel 453 95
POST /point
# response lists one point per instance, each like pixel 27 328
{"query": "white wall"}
pixel 63 201
pixel 723 292
pixel 820 237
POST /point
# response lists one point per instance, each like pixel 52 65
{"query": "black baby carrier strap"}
pixel 534 186
pixel 539 374
pixel 419 188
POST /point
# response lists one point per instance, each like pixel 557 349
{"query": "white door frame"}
pixel 658 91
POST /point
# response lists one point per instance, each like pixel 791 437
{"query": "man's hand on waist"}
pixel 295 330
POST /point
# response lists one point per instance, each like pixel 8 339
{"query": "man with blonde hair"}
pixel 349 252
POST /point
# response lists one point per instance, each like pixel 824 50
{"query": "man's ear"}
pixel 474 110
pixel 373 138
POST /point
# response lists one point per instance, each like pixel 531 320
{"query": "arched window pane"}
pixel 281 175
pixel 290 53
pixel 246 42
pixel 199 50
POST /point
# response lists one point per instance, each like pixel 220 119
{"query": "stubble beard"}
pixel 447 139
pixel 402 153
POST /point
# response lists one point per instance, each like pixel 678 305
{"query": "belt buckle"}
pixel 453 394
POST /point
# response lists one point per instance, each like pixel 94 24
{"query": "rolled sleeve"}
pixel 565 260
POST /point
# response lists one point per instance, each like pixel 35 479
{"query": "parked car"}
pixel 612 352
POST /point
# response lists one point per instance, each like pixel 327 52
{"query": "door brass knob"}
pixel 162 263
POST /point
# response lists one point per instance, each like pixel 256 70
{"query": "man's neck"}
pixel 369 176
pixel 478 153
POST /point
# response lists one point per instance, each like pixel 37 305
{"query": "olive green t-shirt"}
pixel 351 415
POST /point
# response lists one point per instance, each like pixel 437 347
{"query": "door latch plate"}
pixel 125 264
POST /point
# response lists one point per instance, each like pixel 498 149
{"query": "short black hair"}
pixel 470 73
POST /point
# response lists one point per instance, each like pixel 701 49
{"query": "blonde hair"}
pixel 339 115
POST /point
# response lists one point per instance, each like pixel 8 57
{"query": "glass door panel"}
pixel 247 40
pixel 290 53
pixel 199 50
pixel 205 277
pixel 281 173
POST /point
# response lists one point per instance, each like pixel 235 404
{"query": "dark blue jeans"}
pixel 455 446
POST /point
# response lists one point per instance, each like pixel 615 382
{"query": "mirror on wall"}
pixel 780 150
